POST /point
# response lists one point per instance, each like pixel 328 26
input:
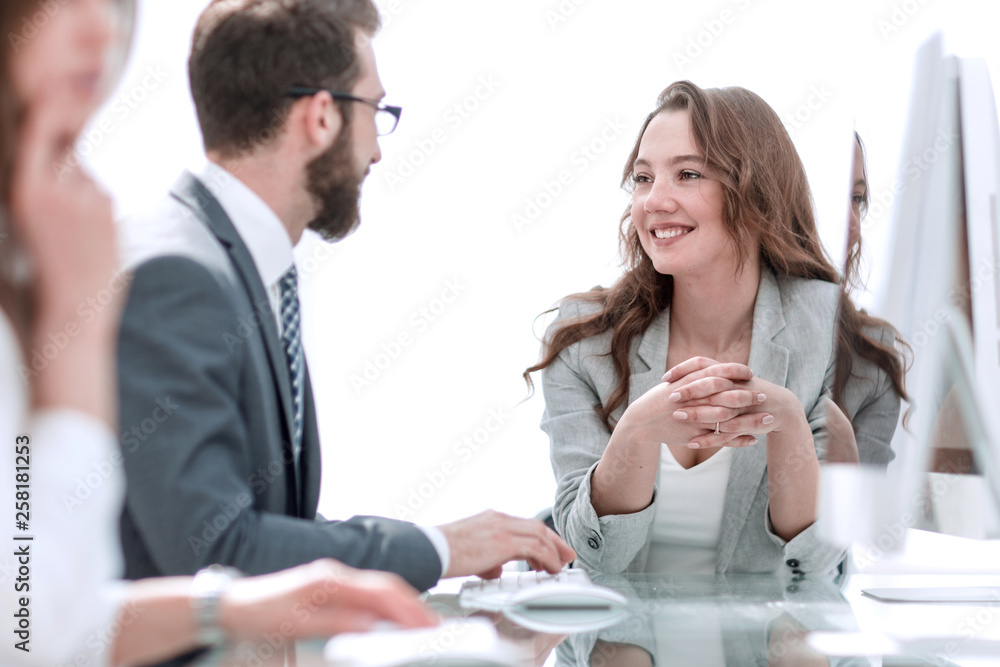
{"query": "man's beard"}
pixel 336 188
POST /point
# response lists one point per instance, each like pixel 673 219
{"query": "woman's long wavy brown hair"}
pixel 852 341
pixel 15 293
pixel 767 209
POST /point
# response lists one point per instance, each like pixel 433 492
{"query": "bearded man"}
pixel 218 424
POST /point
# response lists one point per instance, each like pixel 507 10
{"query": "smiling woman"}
pixel 686 405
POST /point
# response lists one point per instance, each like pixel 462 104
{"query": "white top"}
pixel 75 500
pixel 688 516
pixel 265 237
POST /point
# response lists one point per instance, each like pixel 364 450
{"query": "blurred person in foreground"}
pixel 58 404
pixel 289 102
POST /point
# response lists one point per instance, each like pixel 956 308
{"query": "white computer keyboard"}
pixel 569 589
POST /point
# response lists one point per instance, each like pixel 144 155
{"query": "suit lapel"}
pixel 309 458
pixel 769 361
pixel 190 191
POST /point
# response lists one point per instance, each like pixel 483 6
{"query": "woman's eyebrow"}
pixel 674 160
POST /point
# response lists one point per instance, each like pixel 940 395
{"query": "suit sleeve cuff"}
pixel 805 552
pixel 609 543
pixel 440 544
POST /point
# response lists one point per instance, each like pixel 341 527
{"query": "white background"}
pixel 562 73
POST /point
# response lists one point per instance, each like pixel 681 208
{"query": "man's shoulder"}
pixel 170 228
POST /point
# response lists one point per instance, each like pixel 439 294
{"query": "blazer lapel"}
pixel 651 351
pixel 769 361
pixel 195 195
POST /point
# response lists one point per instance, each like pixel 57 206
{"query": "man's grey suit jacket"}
pixel 206 410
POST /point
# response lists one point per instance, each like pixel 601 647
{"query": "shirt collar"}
pixel 259 227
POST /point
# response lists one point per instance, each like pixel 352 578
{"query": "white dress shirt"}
pixel 75 499
pixel 259 227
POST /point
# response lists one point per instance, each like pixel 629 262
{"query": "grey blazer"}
pixel 206 408
pixel 791 346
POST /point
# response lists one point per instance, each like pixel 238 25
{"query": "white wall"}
pixel 558 76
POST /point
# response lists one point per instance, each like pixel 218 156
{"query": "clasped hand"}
pixel 706 403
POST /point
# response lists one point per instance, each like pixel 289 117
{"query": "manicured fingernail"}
pixel 675 397
pixel 694 445
pixel 768 419
pixel 680 415
pixel 666 378
pixel 761 397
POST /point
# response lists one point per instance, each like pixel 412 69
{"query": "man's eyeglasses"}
pixel 386 117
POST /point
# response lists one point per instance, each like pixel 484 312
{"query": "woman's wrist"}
pixel 787 411
pixel 623 481
pixel 629 431
pixel 212 604
pixel 230 613
pixel 637 429
pixel 794 436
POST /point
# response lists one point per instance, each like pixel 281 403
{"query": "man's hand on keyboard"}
pixel 481 544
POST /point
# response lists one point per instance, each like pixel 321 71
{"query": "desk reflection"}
pixel 735 620
pixel 714 620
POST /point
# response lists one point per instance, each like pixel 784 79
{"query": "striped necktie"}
pixel 291 338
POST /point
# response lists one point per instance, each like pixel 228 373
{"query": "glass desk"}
pixel 733 620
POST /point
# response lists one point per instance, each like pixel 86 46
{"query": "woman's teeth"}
pixel 669 233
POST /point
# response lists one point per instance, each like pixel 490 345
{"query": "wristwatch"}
pixel 207 589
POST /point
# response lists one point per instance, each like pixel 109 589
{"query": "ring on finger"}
pixel 717 428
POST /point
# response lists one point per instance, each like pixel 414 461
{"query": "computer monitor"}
pixel 943 296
